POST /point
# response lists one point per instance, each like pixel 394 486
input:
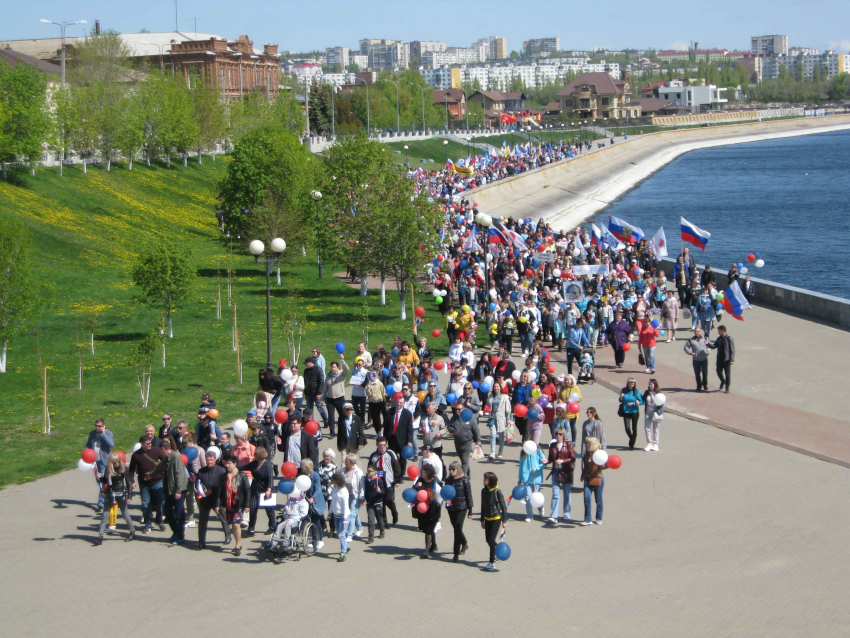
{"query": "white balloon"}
pixel 576 252
pixel 537 500
pixel 84 467
pixel 660 399
pixel 529 447
pixel 443 293
pixel 743 270
pixel 137 446
pixel 489 380
pixel 574 397
pixel 286 375
pixel 600 457
pixel 436 292
pixel 489 257
pixel 516 374
pixel 215 451
pixel 397 386
pixel 556 272
pixel 532 375
pixel 295 493
pixel 303 483
pixel 759 263
pixel 240 427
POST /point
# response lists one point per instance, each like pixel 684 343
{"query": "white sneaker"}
pixel 527 520
pixel 585 523
pixel 649 371
pixel 320 545
pixel 648 448
pixel 112 530
pixel 655 447
pixel 190 523
pixel 491 567
pixel 598 522
pixel 668 341
pixel 551 519
pixel 358 533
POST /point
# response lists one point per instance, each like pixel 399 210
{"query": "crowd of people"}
pixel 528 291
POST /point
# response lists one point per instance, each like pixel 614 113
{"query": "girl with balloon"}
pixel 116 484
pixel 653 401
pixel 535 417
pixel 494 514
pixel 427 508
pixel 458 496
pixel 235 499
pixel 531 462
pixel 499 420
pixel 591 474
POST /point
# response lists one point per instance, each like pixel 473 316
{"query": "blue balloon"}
pixel 492 306
pixel 757 254
pixel 464 263
pixel 286 486
pixel 466 414
pixel 394 353
pixel 451 397
pixel 340 347
pixel 385 372
pixel 513 296
pixel 740 265
pixel 484 387
pixel 655 323
pixel 519 492
pixel 503 551
pixel 467 272
pixel 532 414
pixel 408 452
pixel 448 493
pixel 409 495
pixel 191 453
pixel 475 385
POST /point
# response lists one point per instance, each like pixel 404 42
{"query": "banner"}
pixel 598 269
pixel 545 258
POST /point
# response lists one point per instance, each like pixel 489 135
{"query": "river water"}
pixel 788 199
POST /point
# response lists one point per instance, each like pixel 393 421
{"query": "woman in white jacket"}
pixel 340 512
pixel 500 417
pixel 295 387
pixel 354 483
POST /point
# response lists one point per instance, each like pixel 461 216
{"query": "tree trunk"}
pixel 148 159
pixel 170 330
pixel 213 155
pixel 148 388
pixel 130 168
pixel 363 291
pixel 185 159
pixel 3 357
pixel 163 354
pixel 92 343
pixel 3 166
pixel 278 274
pixel 200 157
pixel 61 167
pixel 168 161
pixel 85 170
pixel 80 382
pixel 383 290
pixel 403 296
pixel 108 165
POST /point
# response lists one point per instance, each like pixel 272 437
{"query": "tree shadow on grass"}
pixel 239 272
pixel 122 336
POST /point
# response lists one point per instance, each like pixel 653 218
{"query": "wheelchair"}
pixel 303 541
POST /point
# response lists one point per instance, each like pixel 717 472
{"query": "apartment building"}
pixel 540 46
pixel 337 55
pixel 834 64
pixel 385 54
pixel 419 48
pixel 769 45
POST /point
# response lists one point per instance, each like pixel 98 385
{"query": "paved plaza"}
pixel 716 534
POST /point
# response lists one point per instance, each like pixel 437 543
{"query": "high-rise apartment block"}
pixel 418 48
pixel 337 55
pixel 498 48
pixel 535 48
pixel 385 54
pixel 770 45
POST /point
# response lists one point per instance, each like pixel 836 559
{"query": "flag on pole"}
pixel 734 301
pixel 471 244
pixel 609 240
pixel 694 235
pixel 595 236
pixel 512 237
pixel 659 243
pixel 623 230
pixel 450 164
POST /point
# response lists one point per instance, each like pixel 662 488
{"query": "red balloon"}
pixel 573 407
pixel 422 508
pixel 551 368
pixel 751 257
pixel 185 459
pixel 312 427
pixel 440 258
pixel 398 395
pixel 494 361
pixel 122 455
pixel 541 248
pixel 89 455
pixel 422 496
pixel 412 471
pixel 520 410
pixel 289 470
pixel 627 347
pixel 281 416
pixel 439 365
pixel 436 332
pixel 614 461
pixel 545 355
pixel 529 273
pixel 419 311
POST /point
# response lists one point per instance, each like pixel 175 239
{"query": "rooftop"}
pixel 14 58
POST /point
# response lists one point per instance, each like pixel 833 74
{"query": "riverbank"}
pixel 567 193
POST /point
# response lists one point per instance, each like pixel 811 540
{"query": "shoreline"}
pixel 568 193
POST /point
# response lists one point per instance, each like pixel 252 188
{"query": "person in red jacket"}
pixel 646 338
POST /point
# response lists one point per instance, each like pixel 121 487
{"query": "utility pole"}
pixel 62 26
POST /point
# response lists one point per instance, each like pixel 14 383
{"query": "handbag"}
pixel 641 359
pixel 620 411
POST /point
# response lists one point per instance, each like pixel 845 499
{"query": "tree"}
pixel 294 322
pixel 27 125
pixel 166 273
pixel 152 107
pixel 103 59
pixel 20 298
pixel 320 108
pixel 180 131
pixel 209 116
pixel 141 360
pixel 514 54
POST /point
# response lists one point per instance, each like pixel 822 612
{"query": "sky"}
pixel 316 24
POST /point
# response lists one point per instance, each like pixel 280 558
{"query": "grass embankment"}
pixel 429 154
pixel 86 229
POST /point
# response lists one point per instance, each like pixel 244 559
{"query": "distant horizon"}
pixel 722 24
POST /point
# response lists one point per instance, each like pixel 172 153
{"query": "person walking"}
pixel 261 486
pixel 388 467
pixel 725 346
pixel 459 507
pixel 618 336
pixel 562 456
pixel 145 462
pixel 697 347
pixel 374 489
pixel 653 415
pixel 630 402
pixel 340 512
pixel 208 491
pixel 465 435
pixel 705 312
pixel 116 482
pixel 376 396
pixel 428 519
pixel 175 482
pixel 592 428
pixel 670 316
pixel 335 392
pixel 350 436
pixel 354 483
pixel 101 441
pixel 494 515
pixel 576 339
pixel 531 475
pixel 235 498
pixel 646 337
pixel 499 420
pixel 314 386
pixel 591 475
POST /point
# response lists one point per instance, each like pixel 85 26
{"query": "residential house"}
pixel 453 100
pixel 596 96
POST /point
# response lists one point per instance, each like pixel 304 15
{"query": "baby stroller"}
pixel 262 404
pixel 586 363
pixel 304 539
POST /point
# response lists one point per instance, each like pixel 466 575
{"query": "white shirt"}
pixel 435 462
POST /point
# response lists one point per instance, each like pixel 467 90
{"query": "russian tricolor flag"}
pixel 623 230
pixel 450 164
pixel 734 301
pixel 694 235
pixel 494 236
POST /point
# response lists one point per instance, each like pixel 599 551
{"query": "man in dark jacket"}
pixel 725 346
pixel 465 434
pixel 209 481
pixel 314 387
pixel 707 277
pixel 101 441
pixel 399 430
pixel 297 444
pixel 350 436
pixel 273 384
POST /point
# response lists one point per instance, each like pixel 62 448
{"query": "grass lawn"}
pixel 430 150
pixel 86 229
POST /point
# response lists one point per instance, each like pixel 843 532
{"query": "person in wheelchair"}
pixel 296 509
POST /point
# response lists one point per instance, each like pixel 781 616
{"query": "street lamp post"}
pixel 423 104
pixel 62 26
pixel 446 149
pixel 317 196
pixel 368 124
pixel 258 249
pixel 397 111
pixel 406 156
pixel 485 221
pixel 159 46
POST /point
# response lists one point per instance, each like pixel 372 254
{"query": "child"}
pixel 340 511
pixel 494 511
pixel 374 489
pixel 494 332
pixel 561 420
pixel 327 468
pixel 508 332
pixel 531 475
pixel 296 508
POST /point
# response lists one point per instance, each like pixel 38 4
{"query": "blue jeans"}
pixel 649 355
pixel 276 402
pixel 526 341
pixel 705 324
pixel 175 512
pixel 354 518
pixel 341 524
pixel 151 494
pixel 598 492
pixel 557 488
pixel 310 402
pixel 531 489
pixel 101 468
pixel 494 436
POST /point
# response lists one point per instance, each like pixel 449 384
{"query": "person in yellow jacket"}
pixel 464 323
pixel 409 357
pixel 570 387
pixel 451 324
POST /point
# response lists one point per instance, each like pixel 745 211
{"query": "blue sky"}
pixel 318 24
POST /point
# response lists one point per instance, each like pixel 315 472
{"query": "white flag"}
pixel 659 243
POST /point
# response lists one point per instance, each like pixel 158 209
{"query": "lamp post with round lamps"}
pixel 317 197
pixel 406 156
pixel 269 260
pixel 485 221
pixel 446 149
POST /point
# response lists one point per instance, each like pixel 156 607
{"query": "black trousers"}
pixel 252 520
pixel 619 355
pixel 334 412
pixel 631 423
pixel 521 425
pixel 457 518
pixel 573 354
pixel 491 534
pixel 393 444
pixel 377 415
pixel 375 513
pixel 701 373
pixel 451 333
pixel 205 506
pixel 359 404
pixel 724 373
pixel 389 504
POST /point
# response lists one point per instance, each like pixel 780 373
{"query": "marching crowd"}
pixel 527 291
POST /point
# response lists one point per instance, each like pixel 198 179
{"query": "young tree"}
pixel 152 107
pixel 85 128
pixel 166 273
pixel 141 360
pixel 294 321
pixel 209 116
pixel 26 124
pixel 131 135
pixel 20 295
pixel 180 131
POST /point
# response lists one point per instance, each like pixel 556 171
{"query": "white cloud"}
pixel 843 46
pixel 678 45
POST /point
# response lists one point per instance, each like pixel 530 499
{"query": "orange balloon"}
pixel 421 395
pixel 213 413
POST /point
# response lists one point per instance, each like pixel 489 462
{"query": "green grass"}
pixel 430 150
pixel 86 229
